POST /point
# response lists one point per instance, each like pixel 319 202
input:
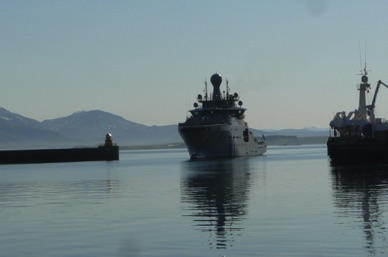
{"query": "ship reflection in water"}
pixel 358 193
pixel 214 193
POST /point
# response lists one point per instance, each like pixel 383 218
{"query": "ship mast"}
pixel 205 90
pixel 227 89
pixel 361 113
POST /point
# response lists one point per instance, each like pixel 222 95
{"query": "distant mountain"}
pixel 91 126
pixel 88 128
pixel 17 131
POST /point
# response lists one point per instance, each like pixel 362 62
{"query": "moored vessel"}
pixel 216 127
pixel 359 136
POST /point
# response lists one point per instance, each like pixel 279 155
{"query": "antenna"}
pixel 359 49
pixel 363 71
pixel 205 89
pixel 227 88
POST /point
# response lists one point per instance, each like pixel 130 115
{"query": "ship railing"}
pixel 380 120
pixel 223 97
pixel 205 121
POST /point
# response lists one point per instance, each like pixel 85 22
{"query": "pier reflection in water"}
pixel 215 194
pixel 360 194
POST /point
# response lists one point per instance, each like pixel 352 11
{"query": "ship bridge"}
pixel 218 104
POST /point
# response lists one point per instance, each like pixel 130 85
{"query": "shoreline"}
pixel 271 141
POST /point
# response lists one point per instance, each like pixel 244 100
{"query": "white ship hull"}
pixel 220 141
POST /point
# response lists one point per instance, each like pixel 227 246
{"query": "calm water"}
pixel 289 202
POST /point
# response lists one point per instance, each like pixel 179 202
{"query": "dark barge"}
pixel 106 152
pixel 357 150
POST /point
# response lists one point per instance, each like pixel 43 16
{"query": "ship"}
pixel 106 152
pixel 216 126
pixel 359 136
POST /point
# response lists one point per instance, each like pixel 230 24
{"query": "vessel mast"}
pixel 205 90
pixel 364 86
pixel 227 89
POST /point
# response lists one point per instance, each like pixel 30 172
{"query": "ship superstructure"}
pixel 216 127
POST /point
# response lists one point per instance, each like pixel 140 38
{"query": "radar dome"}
pixel 364 79
pixel 216 80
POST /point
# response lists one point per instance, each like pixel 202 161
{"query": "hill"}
pixel 91 126
pixel 88 128
pixel 17 131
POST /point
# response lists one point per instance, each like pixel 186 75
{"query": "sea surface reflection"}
pixel 216 194
pixel 360 195
pixel 289 202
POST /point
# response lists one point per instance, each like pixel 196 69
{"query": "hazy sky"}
pixel 293 63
